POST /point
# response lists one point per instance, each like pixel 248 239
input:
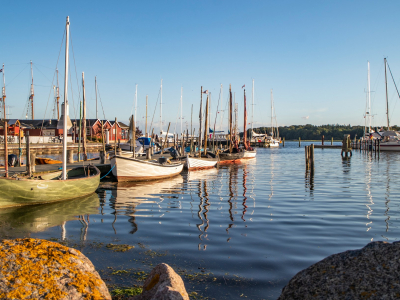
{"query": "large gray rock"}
pixel 372 272
pixel 163 284
pixel 39 269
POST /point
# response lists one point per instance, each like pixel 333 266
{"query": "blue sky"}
pixel 313 54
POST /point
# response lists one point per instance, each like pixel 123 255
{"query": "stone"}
pixel 372 272
pixel 163 284
pixel 40 269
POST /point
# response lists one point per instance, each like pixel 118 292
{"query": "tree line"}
pixel 313 132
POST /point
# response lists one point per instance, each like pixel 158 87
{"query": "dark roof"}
pixel 123 125
pixel 89 122
pixel 38 124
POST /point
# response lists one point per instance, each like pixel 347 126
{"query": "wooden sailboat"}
pixel 133 169
pixel 249 152
pixel 39 188
pixel 234 153
pixel 126 167
pixel 201 160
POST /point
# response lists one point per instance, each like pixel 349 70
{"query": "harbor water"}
pixel 233 232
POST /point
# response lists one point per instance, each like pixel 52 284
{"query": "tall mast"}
pixel 236 121
pixel 145 130
pixel 220 102
pixel 230 119
pixel 65 134
pixel 368 113
pixel 84 117
pixel 32 93
pixel 272 127
pixel 252 110
pixel 58 98
pixel 161 110
pixel 181 109
pixel 207 129
pixel 4 93
pixel 200 116
pixel 206 126
pixel 95 89
pixel 245 120
pixel 134 123
pixel 387 101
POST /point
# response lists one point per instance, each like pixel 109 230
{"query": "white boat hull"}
pixel 131 169
pixel 389 146
pixel 195 163
pixel 274 143
pixel 250 154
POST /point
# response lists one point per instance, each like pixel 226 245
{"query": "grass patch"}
pixel 120 293
pixel 119 248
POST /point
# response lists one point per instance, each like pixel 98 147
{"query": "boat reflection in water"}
pixel 126 196
pixel 37 218
pixel 200 182
pixel 232 192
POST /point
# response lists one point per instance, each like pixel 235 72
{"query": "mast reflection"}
pixel 244 191
pixel 232 185
pixel 369 193
pixel 201 180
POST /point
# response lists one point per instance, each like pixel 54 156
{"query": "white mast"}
pixel 65 135
pixel 209 113
pixel 272 100
pixel 181 109
pixel 161 109
pixel 368 112
pixel 220 101
pixel 252 110
pixel 134 123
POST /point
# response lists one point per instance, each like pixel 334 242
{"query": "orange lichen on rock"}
pixel 39 269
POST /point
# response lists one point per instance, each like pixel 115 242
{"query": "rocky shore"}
pixel 41 269
pixel 372 272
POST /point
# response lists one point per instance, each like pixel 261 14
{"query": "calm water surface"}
pixel 242 230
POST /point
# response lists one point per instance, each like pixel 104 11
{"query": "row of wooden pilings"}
pixel 367 145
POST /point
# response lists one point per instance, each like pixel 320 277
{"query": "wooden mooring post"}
pixel 28 155
pixel 299 142
pixel 19 147
pixel 309 154
pixel 346 146
pixel 283 142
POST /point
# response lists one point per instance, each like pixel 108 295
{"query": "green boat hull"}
pixel 26 191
